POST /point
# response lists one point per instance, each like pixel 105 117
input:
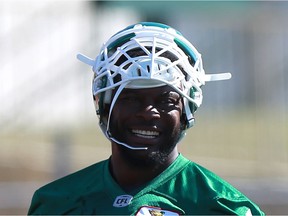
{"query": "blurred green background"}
pixel 48 126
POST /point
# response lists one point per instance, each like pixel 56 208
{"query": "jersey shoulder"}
pixel 61 194
pixel 218 193
pixel 72 181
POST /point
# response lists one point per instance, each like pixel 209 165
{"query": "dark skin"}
pixel 144 118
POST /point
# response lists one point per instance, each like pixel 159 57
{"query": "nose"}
pixel 148 112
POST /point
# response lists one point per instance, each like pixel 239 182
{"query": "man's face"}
pixel 147 118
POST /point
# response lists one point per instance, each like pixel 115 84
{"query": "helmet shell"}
pixel 147 55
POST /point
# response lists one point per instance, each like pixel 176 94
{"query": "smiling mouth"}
pixel 146 134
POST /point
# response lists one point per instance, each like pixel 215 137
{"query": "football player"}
pixel 146 89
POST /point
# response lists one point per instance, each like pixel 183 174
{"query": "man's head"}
pixel 150 118
pixel 145 56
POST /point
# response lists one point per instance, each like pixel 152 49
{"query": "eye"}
pixel 169 101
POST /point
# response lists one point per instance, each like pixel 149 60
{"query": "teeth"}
pixel 146 134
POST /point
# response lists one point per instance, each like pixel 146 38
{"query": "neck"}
pixel 131 177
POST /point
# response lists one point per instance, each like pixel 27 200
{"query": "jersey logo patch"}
pixel 154 211
pixel 122 201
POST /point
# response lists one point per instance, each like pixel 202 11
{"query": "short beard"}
pixel 154 159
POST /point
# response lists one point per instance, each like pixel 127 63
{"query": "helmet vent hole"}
pixel 139 72
pixel 148 68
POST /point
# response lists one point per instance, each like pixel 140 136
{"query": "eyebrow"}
pixel 171 93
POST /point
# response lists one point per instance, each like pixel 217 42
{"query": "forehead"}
pixel 156 91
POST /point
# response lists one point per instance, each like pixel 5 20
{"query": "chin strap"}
pixel 108 134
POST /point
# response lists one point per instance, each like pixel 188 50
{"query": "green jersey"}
pixel 183 188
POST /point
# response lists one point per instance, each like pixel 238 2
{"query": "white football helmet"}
pixel 147 55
